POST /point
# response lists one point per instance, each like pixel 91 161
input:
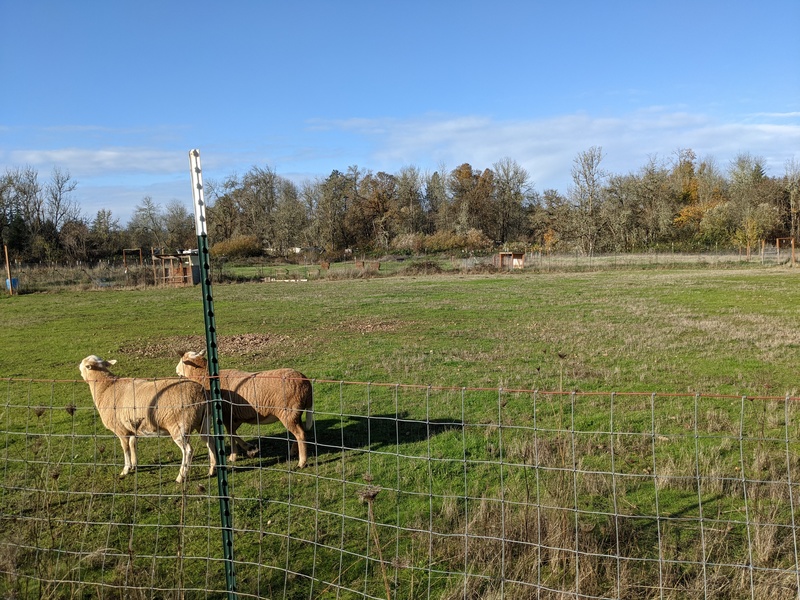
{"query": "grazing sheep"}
pixel 143 407
pixel 279 395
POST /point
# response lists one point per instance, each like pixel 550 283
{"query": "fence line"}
pixel 414 492
pixel 115 273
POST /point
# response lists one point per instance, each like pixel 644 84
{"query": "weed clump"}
pixel 424 267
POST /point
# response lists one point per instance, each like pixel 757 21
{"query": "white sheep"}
pixel 278 395
pixel 143 407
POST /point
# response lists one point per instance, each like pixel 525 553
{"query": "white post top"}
pixel 197 193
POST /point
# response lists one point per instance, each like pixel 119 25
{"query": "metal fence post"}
pixel 225 512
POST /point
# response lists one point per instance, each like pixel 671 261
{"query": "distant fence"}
pixel 414 492
pixel 116 274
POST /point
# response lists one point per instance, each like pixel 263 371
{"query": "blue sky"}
pixel 117 93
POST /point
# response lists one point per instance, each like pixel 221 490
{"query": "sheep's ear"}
pixel 111 362
pixel 202 353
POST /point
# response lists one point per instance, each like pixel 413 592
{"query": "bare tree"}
pixel 550 221
pixel 257 196
pixel 75 239
pixel 373 218
pixel 290 217
pixel 473 199
pixel 146 225
pixel 587 195
pixel 60 205
pixel 512 189
pixel 179 226
pixel 311 198
pixel 620 213
pixel 437 202
pixel 755 199
pixel 409 198
pixel 27 199
pixel 657 203
pixel 792 183
pixel 337 191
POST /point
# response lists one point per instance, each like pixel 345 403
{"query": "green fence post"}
pixel 225 513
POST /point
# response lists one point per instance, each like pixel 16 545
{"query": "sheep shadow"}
pixel 332 436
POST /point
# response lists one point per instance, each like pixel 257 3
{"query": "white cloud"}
pixel 103 161
pixel 773 115
pixel 547 147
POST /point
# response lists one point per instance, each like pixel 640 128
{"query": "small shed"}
pixel 178 268
pixel 510 260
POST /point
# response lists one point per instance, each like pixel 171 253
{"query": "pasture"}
pixel 614 434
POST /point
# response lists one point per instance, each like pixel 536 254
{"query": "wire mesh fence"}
pixel 413 492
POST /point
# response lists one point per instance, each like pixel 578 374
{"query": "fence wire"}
pixel 413 492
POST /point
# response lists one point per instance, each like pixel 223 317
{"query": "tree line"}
pixel 683 202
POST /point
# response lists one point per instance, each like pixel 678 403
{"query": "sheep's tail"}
pixel 309 420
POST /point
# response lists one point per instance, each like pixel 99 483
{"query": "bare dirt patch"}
pixel 366 326
pixel 245 344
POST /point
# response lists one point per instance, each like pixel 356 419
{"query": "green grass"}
pixel 437 455
pixel 721 332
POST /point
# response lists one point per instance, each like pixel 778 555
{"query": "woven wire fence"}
pixel 413 492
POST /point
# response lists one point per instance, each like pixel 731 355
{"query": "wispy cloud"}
pixel 774 115
pixel 103 161
pixel 547 147
pixel 117 176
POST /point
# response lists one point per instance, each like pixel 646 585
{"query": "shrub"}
pixel 448 241
pixel 423 267
pixel 443 241
pixel 242 246
pixel 409 243
pixel 475 239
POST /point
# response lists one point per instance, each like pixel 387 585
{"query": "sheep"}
pixel 278 395
pixel 131 408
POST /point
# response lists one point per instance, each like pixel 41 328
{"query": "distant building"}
pixel 510 260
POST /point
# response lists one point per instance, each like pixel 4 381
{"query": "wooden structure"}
pixel 510 260
pixel 178 268
pixel 134 252
pixel 10 281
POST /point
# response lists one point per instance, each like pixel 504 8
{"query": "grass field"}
pixel 711 331
pixel 435 477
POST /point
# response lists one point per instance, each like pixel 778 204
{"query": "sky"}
pixel 118 93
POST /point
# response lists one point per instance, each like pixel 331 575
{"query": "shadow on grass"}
pixel 333 436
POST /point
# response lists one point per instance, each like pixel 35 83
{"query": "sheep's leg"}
pixel 186 456
pixel 237 442
pixel 299 433
pixel 231 428
pixel 126 452
pixel 132 441
pixel 250 449
pixel 209 442
pixel 212 457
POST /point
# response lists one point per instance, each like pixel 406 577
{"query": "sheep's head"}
pixel 190 363
pixel 93 365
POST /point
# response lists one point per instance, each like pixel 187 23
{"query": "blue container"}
pixel 13 283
